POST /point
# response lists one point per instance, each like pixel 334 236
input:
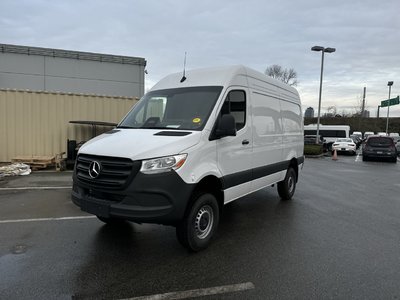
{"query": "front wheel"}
pixel 200 223
pixel 287 187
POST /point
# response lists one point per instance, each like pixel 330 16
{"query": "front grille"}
pixel 116 173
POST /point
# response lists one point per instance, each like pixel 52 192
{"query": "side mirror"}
pixel 226 126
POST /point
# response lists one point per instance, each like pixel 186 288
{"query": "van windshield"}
pixel 179 109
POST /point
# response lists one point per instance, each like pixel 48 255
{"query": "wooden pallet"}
pixel 36 162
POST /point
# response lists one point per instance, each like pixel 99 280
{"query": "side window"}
pixel 235 104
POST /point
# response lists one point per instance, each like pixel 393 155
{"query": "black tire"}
pixel 365 158
pixel 200 223
pixel 112 221
pixel 287 187
pixel 394 160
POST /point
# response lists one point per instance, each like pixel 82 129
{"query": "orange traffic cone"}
pixel 334 156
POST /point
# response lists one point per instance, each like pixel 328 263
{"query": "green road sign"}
pixel 390 102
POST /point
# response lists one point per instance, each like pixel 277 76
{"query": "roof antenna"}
pixel 184 67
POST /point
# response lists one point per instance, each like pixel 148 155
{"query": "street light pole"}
pixel 319 99
pixel 323 50
pixel 390 83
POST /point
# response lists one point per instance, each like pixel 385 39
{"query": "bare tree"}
pixel 345 113
pixel 332 110
pixel 359 107
pixel 288 76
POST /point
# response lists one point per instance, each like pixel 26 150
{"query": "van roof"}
pixel 218 76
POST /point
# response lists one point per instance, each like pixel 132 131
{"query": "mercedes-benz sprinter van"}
pixel 191 145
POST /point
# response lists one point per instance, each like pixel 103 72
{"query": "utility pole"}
pixel 390 83
pixel 363 103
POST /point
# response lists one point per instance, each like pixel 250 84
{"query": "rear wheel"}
pixel 287 187
pixel 365 158
pixel 200 223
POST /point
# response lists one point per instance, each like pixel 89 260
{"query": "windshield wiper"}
pixel 144 127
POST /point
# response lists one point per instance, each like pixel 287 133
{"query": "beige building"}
pixel 42 90
pixel 38 123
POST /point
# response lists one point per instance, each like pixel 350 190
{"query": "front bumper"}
pixel 156 198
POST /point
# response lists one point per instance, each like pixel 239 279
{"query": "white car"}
pixel 344 145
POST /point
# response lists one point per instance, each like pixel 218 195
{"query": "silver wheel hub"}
pixel 290 184
pixel 204 221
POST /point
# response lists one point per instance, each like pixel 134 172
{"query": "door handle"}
pixel 245 142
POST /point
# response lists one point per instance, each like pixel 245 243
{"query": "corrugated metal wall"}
pixel 37 123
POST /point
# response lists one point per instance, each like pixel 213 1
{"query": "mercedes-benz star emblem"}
pixel 94 169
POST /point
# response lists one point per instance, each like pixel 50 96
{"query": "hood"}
pixel 138 144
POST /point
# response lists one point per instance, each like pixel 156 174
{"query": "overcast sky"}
pixel 254 33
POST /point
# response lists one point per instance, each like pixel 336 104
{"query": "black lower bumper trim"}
pixel 156 198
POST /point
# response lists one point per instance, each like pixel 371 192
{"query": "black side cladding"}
pixel 232 180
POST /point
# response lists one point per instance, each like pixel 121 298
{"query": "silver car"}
pixel 397 142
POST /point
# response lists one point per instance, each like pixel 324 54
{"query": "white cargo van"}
pixel 191 145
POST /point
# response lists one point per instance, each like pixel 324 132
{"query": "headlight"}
pixel 163 164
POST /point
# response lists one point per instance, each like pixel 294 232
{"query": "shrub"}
pixel 313 149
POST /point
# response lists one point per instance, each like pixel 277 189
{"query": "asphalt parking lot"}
pixel 337 239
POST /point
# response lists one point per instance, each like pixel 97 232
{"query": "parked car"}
pixel 311 140
pixel 358 133
pixel 381 147
pixel 367 134
pixel 357 140
pixel 344 145
pixel 397 143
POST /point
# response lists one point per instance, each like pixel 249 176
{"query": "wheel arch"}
pixel 210 184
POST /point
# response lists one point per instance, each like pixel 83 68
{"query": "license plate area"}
pixel 343 149
pixel 379 152
pixel 96 208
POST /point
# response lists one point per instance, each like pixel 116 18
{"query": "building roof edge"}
pixel 17 49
